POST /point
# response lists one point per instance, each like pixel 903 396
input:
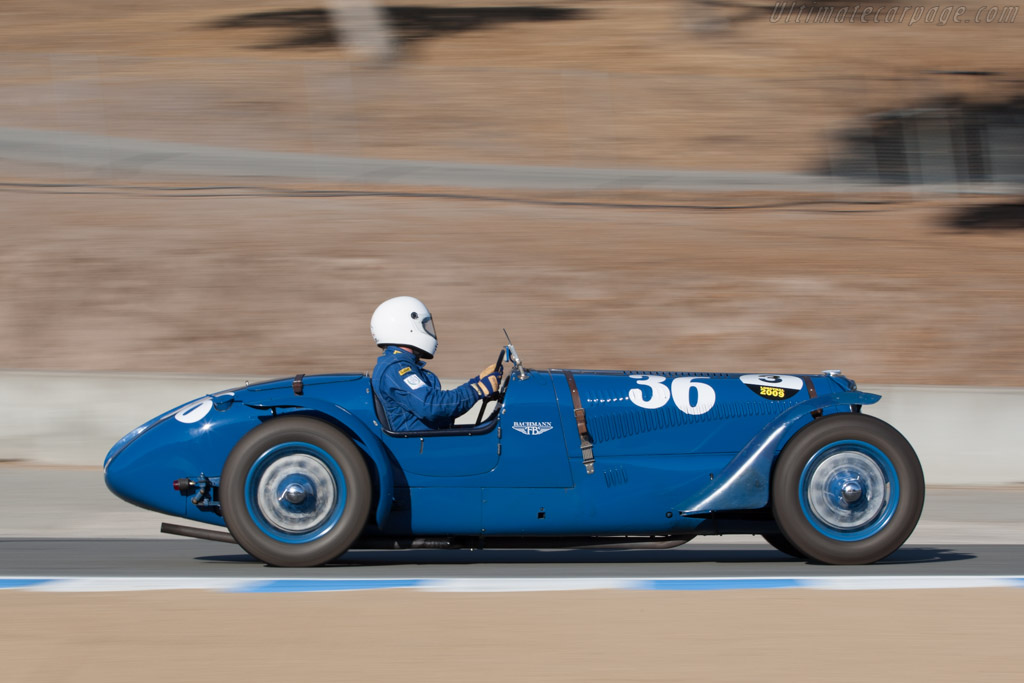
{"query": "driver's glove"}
pixel 486 383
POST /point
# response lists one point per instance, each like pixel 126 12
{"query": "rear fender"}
pixel 745 482
pixel 355 429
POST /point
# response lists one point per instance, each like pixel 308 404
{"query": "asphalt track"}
pixel 62 522
pixel 208 559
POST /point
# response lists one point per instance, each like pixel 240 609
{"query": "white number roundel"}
pixel 194 412
pixel 690 396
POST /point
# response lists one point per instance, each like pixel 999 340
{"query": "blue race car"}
pixel 301 470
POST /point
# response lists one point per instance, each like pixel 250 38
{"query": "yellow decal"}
pixel 404 370
pixel 773 392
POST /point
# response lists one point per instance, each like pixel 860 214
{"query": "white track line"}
pixel 500 585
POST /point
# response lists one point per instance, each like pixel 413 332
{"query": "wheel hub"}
pixel 847 490
pixel 852 491
pixel 295 493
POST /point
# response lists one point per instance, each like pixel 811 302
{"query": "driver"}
pixel 410 394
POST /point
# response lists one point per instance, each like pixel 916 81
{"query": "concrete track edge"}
pixel 965 436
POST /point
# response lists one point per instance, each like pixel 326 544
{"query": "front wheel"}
pixel 847 489
pixel 295 492
pixel 779 542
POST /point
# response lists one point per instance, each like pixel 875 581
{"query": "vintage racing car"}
pixel 302 469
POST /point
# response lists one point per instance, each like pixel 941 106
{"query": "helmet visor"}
pixel 428 325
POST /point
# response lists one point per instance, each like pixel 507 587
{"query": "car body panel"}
pixel 435 511
pixel 745 482
pixel 670 449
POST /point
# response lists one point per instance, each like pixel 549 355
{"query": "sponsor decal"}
pixel 773 387
pixel 414 382
pixel 531 428
pixel 689 395
pixel 404 371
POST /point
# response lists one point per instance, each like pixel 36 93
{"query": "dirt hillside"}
pixel 108 272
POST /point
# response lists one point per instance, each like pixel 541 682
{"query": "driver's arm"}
pixel 487 382
pixel 419 391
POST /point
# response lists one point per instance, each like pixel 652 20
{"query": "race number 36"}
pixel 690 396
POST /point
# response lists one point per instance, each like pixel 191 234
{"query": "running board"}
pixel 523 542
pixel 194 532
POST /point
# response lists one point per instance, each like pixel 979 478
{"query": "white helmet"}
pixel 404 321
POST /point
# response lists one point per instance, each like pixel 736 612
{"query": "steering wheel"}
pixel 498 395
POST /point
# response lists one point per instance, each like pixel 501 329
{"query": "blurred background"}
pixel 232 186
pixel 226 189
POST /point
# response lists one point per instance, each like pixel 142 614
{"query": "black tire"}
pixel 324 489
pixel 847 489
pixel 779 542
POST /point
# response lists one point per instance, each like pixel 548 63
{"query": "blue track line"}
pixel 477 585
pixel 8 584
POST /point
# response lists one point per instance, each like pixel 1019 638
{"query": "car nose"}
pixel 144 477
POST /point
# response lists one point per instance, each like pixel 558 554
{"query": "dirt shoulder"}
pixel 775 635
pixel 257 282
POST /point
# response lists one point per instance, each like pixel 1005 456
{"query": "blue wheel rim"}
pixel 849 490
pixel 295 492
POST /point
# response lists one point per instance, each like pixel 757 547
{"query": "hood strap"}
pixel 586 443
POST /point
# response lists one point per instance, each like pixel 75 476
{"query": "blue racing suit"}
pixel 412 396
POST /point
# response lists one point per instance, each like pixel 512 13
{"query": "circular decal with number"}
pixel 773 387
pixel 194 412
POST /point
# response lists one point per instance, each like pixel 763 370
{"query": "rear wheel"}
pixel 295 492
pixel 847 489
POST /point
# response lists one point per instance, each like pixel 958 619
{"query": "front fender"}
pixel 357 430
pixel 744 483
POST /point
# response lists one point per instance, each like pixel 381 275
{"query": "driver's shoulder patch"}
pixel 414 382
pixel 404 371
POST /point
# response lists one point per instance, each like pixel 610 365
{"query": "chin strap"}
pixel 586 443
